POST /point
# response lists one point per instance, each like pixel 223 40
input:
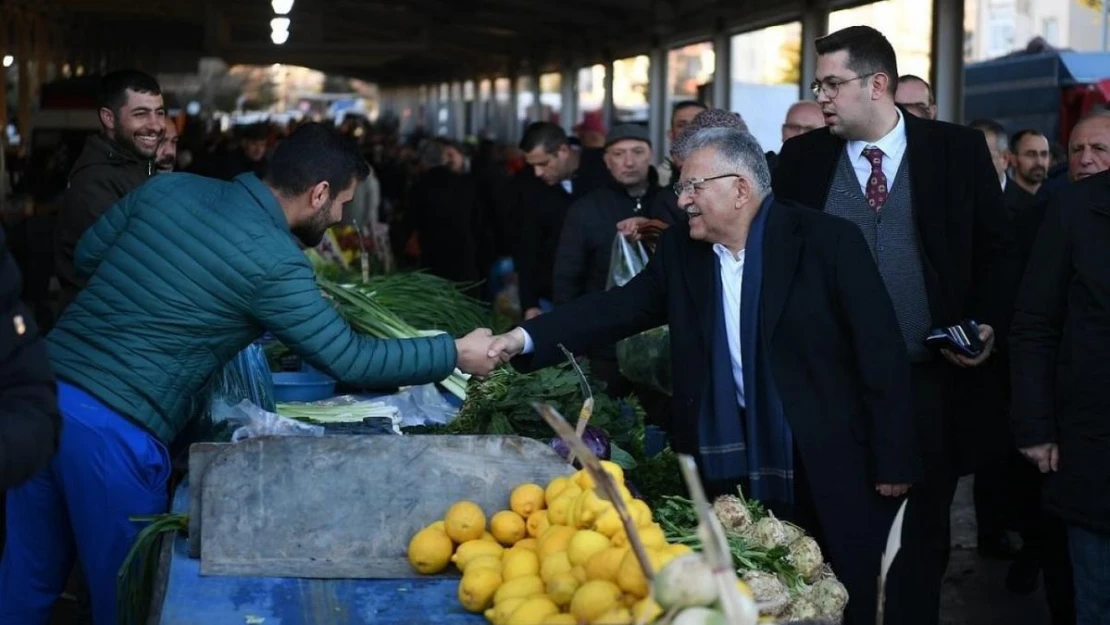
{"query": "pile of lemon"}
pixel 558 555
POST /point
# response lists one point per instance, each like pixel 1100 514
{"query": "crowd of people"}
pixel 800 288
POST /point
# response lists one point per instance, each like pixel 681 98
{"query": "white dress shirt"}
pixel 893 145
pixel 732 279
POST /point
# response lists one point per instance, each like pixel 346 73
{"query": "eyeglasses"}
pixel 831 87
pixel 693 185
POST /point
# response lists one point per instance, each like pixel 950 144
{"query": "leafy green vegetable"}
pixel 657 477
pixel 135 580
pixel 679 521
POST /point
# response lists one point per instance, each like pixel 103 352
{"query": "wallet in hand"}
pixel 962 338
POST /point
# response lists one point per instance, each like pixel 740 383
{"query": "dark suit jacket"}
pixel 835 349
pixel 967 241
pixel 1059 348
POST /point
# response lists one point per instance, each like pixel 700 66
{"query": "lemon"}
pixel 477 588
pixel 594 599
pixel 640 512
pixel 605 564
pixel 559 509
pixel 678 550
pixel 561 588
pixel 484 562
pixel 507 527
pixel 561 619
pixel 521 587
pixel 580 574
pixel 430 550
pixel 590 508
pixel 526 499
pixel 534 611
pixel 630 577
pixel 465 521
pixel 586 481
pixel 556 539
pixel 554 564
pixel 584 544
pixel 651 536
pixel 744 589
pixel 489 537
pixel 538 523
pixel 613 469
pixel 520 563
pixel 438 525
pixel 616 616
pixel 527 543
pixel 500 613
pixel 554 488
pixel 646 610
pixel 608 523
pixel 470 550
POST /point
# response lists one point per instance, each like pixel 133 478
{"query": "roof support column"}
pixel 815 24
pixel 568 88
pixel 722 70
pixel 947 62
pixel 608 109
pixel 512 134
pixel 536 114
pixel 24 28
pixel 658 115
pixel 458 112
pixel 432 121
pixel 4 50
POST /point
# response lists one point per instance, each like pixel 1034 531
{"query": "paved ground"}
pixel 973 591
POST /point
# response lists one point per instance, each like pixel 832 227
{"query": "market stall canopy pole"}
pixel 345 507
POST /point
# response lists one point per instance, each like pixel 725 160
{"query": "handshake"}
pixel 480 352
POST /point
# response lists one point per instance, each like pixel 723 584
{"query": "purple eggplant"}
pixel 594 437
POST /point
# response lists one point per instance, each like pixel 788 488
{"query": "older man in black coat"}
pixel 790 374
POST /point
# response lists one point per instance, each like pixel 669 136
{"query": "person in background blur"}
pixel 1029 160
pixel 681 115
pixel 591 132
pixel 250 155
pixel 998 144
pixel 916 96
pixel 113 163
pixel 801 117
pixel 166 157
pixel 453 157
pixel 1089 145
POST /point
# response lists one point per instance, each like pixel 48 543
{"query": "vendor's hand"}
pixel 892 490
pixel 1046 457
pixel 532 313
pixel 986 335
pixel 505 346
pixel 473 352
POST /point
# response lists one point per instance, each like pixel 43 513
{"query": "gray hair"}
pixel 709 118
pixel 738 148
pixel 1098 112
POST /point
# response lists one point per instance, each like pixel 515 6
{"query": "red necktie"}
pixel 876 183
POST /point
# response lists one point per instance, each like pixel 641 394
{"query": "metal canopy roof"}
pixel 397 41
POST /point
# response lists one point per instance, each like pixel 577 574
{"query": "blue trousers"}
pixel 1090 559
pixel 107 470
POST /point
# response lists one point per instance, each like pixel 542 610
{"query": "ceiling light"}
pixel 8 60
pixel 282 7
pixel 279 24
pixel 279 36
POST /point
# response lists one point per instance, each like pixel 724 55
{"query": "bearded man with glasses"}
pixel 927 199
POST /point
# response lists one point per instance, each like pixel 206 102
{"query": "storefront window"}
pixel 766 74
pixel 690 73
pixel 907 24
pixel 551 96
pixel 524 100
pixel 591 92
pixel 630 89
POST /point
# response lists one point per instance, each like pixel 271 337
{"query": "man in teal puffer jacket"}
pixel 185 272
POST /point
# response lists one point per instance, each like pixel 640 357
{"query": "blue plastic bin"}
pixel 302 386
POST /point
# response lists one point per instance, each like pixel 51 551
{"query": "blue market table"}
pixel 185 597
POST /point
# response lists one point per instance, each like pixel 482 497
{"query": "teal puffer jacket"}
pixel 185 272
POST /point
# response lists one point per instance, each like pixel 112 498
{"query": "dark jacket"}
pixel 540 211
pixel 104 173
pixel 836 353
pixel 442 210
pixel 586 243
pixel 29 420
pixel 186 272
pixel 1060 345
pixel 967 245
